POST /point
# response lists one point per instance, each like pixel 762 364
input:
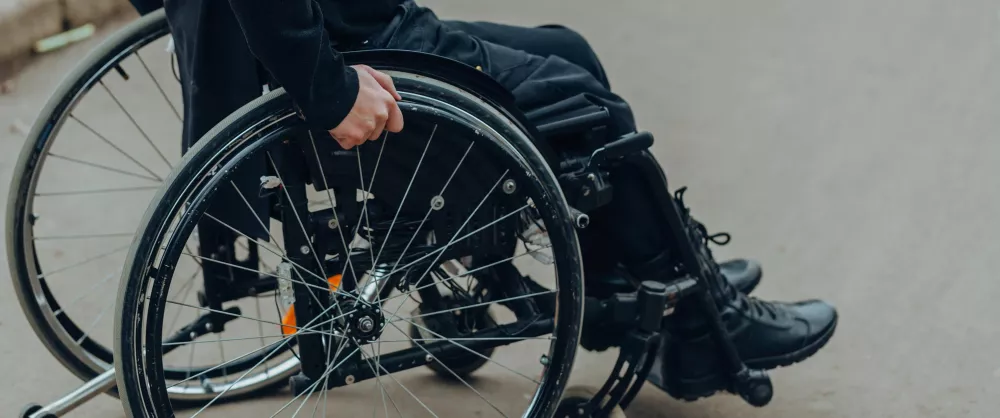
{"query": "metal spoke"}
pixel 404 388
pixel 333 208
pixel 326 377
pixel 326 289
pixel 474 352
pixel 256 216
pixel 266 357
pixel 159 87
pixel 457 231
pixel 116 147
pixel 103 167
pixel 238 339
pixel 283 255
pixel 93 323
pixel 475 305
pixel 378 379
pixel 313 386
pixel 304 327
pixel 78 264
pixel 455 375
pixel 135 123
pixel 407 192
pixel 97 191
pixel 302 281
pixel 89 291
pixel 305 234
pixel 364 206
pixel 428 214
pixel 186 289
pixel 455 241
pixel 86 236
pixel 471 339
pixel 261 320
pixel 466 274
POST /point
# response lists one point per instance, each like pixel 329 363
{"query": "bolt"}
pixel 544 360
pixel 304 249
pixel 193 335
pixel 580 411
pixel 509 186
pixel 349 379
pixel 437 202
pixel 208 327
pixel 332 224
pixel 591 177
pixel 428 358
pixel 366 325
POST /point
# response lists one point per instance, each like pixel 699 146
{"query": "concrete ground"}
pixel 850 146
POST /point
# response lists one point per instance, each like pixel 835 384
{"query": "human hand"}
pixel 374 111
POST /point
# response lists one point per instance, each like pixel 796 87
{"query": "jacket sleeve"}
pixel 290 40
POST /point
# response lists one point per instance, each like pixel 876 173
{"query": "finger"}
pixel 380 119
pixel 345 144
pixel 385 81
pixel 395 121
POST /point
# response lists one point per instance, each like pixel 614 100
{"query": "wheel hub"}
pixel 366 323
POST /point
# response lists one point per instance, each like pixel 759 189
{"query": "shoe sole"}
pixel 707 386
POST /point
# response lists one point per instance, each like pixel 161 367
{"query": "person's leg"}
pixel 542 41
pixel 557 40
pixel 766 334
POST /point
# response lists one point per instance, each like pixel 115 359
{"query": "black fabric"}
pixel 543 41
pixel 536 79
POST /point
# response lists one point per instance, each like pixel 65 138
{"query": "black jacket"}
pixel 292 39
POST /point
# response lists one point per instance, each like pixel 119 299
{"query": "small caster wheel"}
pixel 31 409
pixel 575 397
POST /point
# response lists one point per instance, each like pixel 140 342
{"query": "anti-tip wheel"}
pixel 30 409
pixel 575 396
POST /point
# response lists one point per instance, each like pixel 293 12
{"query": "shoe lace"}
pixel 721 238
pixel 761 308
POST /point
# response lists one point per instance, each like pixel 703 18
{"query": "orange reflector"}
pixel 288 321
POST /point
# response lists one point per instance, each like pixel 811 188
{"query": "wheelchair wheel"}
pixel 461 182
pixel 102 144
pixel 64 265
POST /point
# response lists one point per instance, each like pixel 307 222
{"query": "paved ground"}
pixel 848 145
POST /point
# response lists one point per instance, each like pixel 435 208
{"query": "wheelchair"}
pixel 396 277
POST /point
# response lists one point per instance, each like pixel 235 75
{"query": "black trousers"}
pixel 540 66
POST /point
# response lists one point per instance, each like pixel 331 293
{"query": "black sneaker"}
pixel 766 334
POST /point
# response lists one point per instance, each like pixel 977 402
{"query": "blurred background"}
pixel 851 146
